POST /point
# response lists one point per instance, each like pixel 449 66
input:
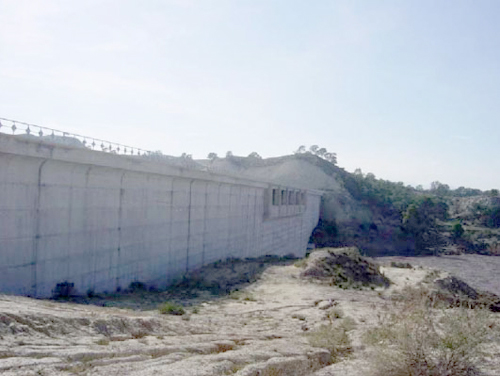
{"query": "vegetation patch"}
pixel 335 313
pixel 224 276
pixel 242 295
pixel 344 267
pixel 103 341
pixel 169 308
pixel 207 283
pixel 401 265
pixel 137 286
pixel 413 338
pixel 63 290
pixel 302 263
pixel 334 338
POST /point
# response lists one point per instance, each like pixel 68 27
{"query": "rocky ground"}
pixel 267 328
pixel 479 271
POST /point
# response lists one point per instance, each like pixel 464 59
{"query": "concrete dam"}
pixel 101 220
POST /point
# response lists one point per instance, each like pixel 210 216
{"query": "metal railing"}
pixel 19 128
pixel 51 135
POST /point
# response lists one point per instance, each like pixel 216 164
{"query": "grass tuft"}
pixel 169 308
pixel 103 341
pixel 333 338
pixel 302 263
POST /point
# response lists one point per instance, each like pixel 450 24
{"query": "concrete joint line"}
pixel 189 224
pixel 36 240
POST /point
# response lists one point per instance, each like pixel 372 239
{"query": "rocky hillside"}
pixel 346 219
pixel 479 216
pixel 375 215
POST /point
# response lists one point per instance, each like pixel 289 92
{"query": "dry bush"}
pixel 242 295
pixel 415 339
pixel 449 292
pixel 348 324
pixel 415 297
pixel 101 327
pixel 401 265
pixel 333 338
pixel 335 313
pixel 169 308
pixel 103 341
pixel 302 263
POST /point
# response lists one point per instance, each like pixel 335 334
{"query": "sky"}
pixel 408 90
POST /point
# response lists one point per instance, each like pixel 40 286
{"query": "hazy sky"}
pixel 408 90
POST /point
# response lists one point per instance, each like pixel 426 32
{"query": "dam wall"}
pixel 102 221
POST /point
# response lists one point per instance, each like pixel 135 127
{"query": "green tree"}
pixel 254 155
pixel 321 152
pixel 440 189
pixel 457 231
pixel 331 157
pixel 419 222
pixel 493 217
pixel 300 150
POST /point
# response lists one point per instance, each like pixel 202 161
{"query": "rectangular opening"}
pixel 276 197
pixel 283 198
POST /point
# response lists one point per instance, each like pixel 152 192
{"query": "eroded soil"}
pixel 259 330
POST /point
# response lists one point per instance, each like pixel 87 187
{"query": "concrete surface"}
pixel 101 221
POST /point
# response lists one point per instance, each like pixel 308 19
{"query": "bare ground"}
pixel 479 271
pixel 260 330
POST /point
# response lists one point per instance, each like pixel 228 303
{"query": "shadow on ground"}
pixel 209 283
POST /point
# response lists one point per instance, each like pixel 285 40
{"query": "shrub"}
pixel 101 327
pixel 493 219
pixel 242 295
pixel 402 265
pixel 302 263
pixel 103 342
pixel 335 313
pixel 171 309
pixel 333 338
pixel 348 324
pixel 63 290
pixel 457 231
pixel 137 286
pixel 412 339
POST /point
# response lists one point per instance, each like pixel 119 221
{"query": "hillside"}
pixel 303 171
pixel 376 215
